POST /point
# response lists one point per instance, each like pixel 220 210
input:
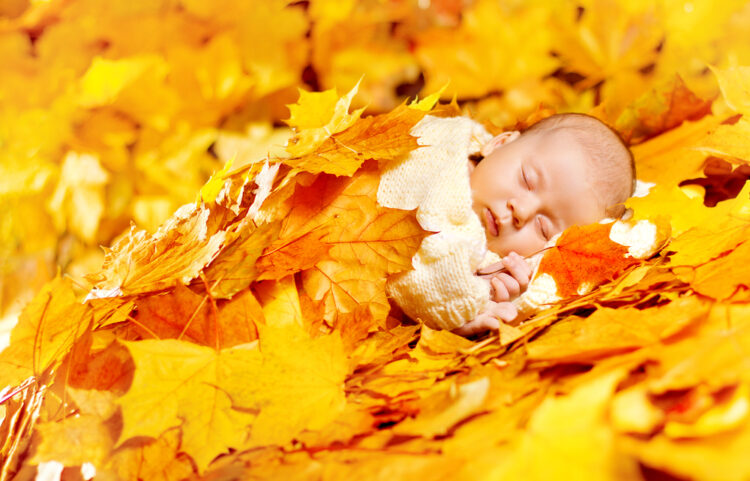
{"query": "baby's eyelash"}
pixel 525 179
pixel 541 228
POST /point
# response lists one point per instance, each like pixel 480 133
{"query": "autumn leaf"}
pixel 184 314
pixel 46 331
pixel 567 428
pixel 177 383
pixel 481 54
pixel 721 278
pixel 610 331
pixel 178 251
pixel 367 243
pixel 250 335
pixel 704 243
pixel 77 440
pixel 734 87
pixel 287 256
pixel 382 137
pixel 299 385
pixel 234 267
pixel 317 116
pixel 584 257
pixel 158 459
pixel 659 111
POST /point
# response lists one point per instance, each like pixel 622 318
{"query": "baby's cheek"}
pixel 524 242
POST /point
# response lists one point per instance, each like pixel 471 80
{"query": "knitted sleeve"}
pixel 442 290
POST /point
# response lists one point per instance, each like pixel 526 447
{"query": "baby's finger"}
pixel 491 270
pixel 482 323
pixel 511 284
pixel 504 310
pixel 499 291
pixel 524 266
pixel 519 269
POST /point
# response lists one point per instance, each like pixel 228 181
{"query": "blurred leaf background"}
pixel 116 112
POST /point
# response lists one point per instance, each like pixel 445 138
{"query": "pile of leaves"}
pixel 118 112
pixel 250 337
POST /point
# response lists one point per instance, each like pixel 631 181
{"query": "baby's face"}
pixel 531 188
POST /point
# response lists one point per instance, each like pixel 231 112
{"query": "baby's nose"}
pixel 522 209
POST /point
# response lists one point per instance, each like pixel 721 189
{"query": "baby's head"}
pixel 564 170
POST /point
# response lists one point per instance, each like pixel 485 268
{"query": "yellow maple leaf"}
pixel 214 184
pixel 566 438
pixel 318 115
pixel 281 302
pixel 697 458
pixel 156 459
pixel 607 39
pixel 671 157
pixel 717 358
pixel 105 78
pixel 74 441
pixel 729 141
pixel 721 277
pixel 182 384
pixel 684 211
pixel 735 85
pixel 46 330
pixel 703 243
pixel 298 386
pixel 611 331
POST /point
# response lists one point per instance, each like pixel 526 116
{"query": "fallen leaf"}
pixel 662 110
pixel 722 277
pixel 184 314
pixel 584 257
pixel 177 383
pixel 317 116
pixel 46 331
pixel 287 256
pixel 382 137
pixel 234 267
pixel 611 331
pixel 178 251
pixel 565 437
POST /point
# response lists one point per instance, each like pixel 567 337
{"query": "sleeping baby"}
pixel 491 201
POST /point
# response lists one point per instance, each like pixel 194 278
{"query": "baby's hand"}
pixel 489 319
pixel 509 284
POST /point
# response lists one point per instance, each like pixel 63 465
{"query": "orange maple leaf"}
pixel 287 256
pixel 183 314
pixel 661 110
pixel 584 255
pixel 383 137
pixel 366 241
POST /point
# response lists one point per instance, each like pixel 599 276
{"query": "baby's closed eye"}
pixel 544 226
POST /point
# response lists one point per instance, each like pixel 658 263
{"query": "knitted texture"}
pixel 442 290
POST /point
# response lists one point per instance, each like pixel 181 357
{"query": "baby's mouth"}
pixel 491 221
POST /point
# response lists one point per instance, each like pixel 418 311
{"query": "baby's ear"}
pixel 499 140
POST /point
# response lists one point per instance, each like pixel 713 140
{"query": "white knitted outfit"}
pixel 442 290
